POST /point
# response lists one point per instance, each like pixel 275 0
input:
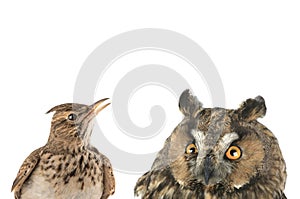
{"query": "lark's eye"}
pixel 191 149
pixel 233 153
pixel 72 116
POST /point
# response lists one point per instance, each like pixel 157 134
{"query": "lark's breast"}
pixel 66 176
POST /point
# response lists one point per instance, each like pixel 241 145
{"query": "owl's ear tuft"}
pixel 252 109
pixel 188 103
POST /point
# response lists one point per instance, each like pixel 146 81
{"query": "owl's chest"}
pixel 66 176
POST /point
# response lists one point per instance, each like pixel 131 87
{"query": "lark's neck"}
pixel 63 146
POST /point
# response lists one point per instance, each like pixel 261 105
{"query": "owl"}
pixel 217 153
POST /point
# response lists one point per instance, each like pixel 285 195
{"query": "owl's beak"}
pixel 208 168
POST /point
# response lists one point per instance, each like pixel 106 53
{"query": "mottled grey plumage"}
pixel 67 166
pixel 217 153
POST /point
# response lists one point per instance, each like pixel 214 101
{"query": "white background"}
pixel 254 45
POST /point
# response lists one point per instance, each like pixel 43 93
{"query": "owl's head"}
pixel 217 147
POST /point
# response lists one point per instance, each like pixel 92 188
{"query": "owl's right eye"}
pixel 191 149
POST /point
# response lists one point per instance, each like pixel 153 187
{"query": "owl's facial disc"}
pixel 215 160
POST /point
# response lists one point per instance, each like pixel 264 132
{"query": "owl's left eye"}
pixel 191 149
pixel 233 153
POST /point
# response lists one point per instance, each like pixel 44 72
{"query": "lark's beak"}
pixel 99 106
pixel 88 118
pixel 96 108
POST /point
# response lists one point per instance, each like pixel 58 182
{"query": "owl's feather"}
pixel 252 109
pixel 189 105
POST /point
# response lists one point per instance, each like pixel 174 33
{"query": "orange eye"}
pixel 233 153
pixel 191 149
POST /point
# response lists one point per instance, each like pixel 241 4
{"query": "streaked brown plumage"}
pixel 67 166
pixel 217 153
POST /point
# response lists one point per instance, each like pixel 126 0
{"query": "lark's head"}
pixel 73 122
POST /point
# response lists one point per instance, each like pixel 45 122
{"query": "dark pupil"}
pixel 192 150
pixel 233 152
pixel 72 116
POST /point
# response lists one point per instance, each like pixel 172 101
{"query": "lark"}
pixel 68 166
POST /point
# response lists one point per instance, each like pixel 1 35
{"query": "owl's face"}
pixel 221 151
pixel 215 149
